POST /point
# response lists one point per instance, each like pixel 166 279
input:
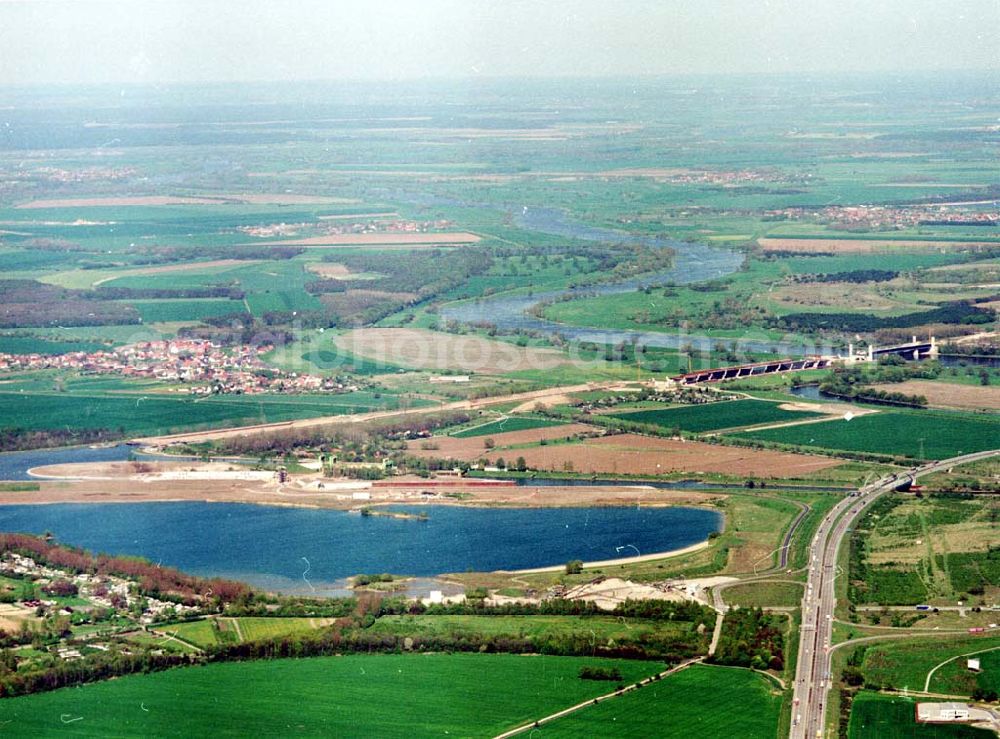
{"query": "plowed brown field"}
pixel 641 455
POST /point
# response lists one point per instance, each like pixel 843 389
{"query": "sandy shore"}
pixel 622 561
pixel 219 482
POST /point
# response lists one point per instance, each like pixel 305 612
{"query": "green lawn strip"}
pixel 353 695
pixel 700 701
pixel 511 423
pixel 876 716
pixel 715 416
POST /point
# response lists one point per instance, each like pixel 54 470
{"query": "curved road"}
pixel 812 671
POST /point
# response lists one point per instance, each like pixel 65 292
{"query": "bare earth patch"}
pixel 807 246
pixel 948 395
pixel 641 455
pixel 380 239
pixel 471 448
pixel 425 349
pixel 329 271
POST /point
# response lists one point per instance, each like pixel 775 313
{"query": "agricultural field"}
pixel 353 695
pixel 716 416
pixel 209 632
pixel 641 455
pixel 914 434
pixel 875 716
pixel 136 413
pixel 421 349
pixel 938 549
pixel 698 701
pixel 949 394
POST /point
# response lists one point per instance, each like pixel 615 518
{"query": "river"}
pixel 694 262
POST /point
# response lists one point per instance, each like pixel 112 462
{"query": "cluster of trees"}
pixel 960 312
pixel 94 667
pixel 852 383
pixel 17 439
pixel 751 638
pixel 29 303
pixel 853 275
pixel 158 293
pixel 596 672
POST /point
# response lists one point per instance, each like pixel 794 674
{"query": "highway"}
pixel 812 670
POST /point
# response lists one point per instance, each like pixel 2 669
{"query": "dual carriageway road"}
pixel 812 672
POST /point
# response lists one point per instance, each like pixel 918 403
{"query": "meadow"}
pixel 699 701
pixel 915 434
pixel 905 664
pixel 716 416
pixel 353 695
pixel 937 549
pixel 541 630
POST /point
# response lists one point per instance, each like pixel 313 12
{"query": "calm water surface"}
pixel 297 549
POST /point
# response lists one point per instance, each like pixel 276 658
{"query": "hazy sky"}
pixel 195 40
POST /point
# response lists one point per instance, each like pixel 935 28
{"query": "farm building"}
pixel 942 712
pixel 973 664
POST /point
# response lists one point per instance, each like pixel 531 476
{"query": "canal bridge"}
pixel 914 350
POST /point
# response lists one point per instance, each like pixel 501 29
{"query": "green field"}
pixel 917 434
pixel 513 423
pixel 875 716
pixel 714 416
pixel 700 701
pixel 155 311
pixel 149 414
pixel 349 696
pixel 765 594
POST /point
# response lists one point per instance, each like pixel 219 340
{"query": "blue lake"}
pixel 292 549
